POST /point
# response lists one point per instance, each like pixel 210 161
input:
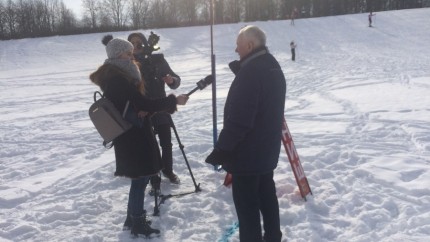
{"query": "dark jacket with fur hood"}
pixel 136 151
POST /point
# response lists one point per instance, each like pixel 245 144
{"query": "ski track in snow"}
pixel 357 106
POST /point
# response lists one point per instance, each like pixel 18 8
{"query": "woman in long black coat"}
pixel 136 151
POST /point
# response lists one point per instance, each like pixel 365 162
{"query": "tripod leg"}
pixel 197 187
pixel 155 183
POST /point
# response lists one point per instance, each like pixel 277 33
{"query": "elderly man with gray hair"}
pixel 250 140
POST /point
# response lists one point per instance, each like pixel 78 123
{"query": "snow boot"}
pixel 128 222
pixel 141 226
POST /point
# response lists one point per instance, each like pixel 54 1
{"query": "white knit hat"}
pixel 117 46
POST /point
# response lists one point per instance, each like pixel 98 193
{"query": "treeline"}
pixel 36 18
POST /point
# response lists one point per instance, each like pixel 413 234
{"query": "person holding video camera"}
pixel 249 143
pixel 157 74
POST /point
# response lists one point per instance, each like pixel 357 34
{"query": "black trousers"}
pixel 253 194
pixel 165 138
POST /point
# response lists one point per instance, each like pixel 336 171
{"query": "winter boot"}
pixel 128 223
pixel 141 226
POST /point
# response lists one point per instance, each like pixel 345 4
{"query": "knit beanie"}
pixel 115 47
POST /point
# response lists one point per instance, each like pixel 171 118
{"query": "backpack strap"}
pixel 95 95
pixel 102 96
pixel 108 145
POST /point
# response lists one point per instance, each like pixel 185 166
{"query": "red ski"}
pixel 296 165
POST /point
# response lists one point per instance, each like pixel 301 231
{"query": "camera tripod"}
pixel 156 180
pixel 159 198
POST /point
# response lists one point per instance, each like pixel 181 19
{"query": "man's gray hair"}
pixel 254 34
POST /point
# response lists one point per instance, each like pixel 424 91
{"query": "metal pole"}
pixel 214 111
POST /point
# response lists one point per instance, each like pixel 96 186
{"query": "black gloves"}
pixel 219 157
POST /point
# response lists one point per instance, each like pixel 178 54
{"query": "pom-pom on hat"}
pixel 116 46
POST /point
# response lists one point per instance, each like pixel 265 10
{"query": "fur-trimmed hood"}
pixel 107 72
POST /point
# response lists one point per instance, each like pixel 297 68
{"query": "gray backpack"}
pixel 108 120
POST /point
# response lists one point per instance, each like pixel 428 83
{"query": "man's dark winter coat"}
pixel 136 151
pixel 253 115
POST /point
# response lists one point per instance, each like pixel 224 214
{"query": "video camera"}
pixel 151 44
pixel 152 66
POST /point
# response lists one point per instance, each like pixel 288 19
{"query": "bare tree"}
pixel 67 21
pixel 250 8
pixel 3 32
pixel 138 12
pixel 91 8
pixel 117 10
pixel 267 9
pixel 203 13
pixel 188 11
pixel 43 17
pixel 32 18
pixel 174 14
pixel 158 14
pixel 23 13
pixel 54 13
pixel 105 20
pixel 10 11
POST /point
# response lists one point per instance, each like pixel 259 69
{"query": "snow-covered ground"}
pixel 357 105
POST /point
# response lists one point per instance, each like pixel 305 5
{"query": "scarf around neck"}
pixel 128 66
